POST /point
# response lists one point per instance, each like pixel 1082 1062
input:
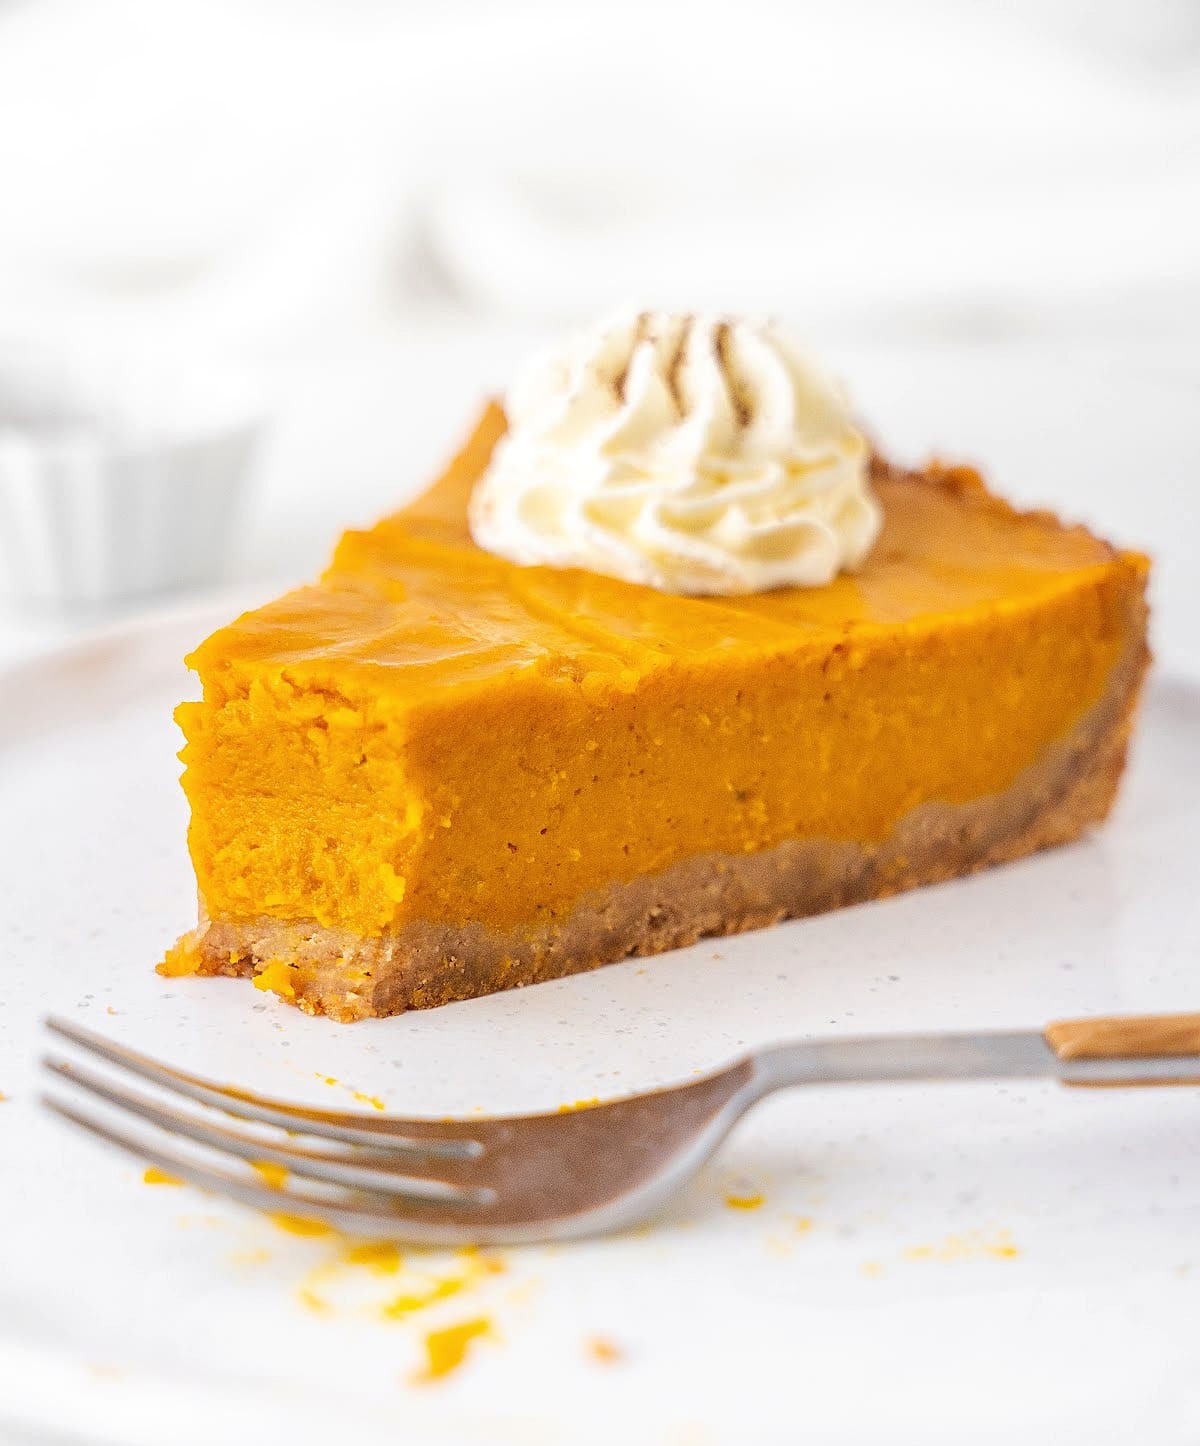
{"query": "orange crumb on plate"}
pixel 404 1305
pixel 154 1176
pixel 364 1099
pixel 381 1256
pixel 475 1268
pixel 299 1224
pixel 276 976
pixel 274 1176
pixel 604 1349
pixel 579 1105
pixel 485 1264
pixel 970 1245
pixel 749 1201
pixel 446 1349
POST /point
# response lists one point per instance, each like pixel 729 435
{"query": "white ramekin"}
pixel 116 479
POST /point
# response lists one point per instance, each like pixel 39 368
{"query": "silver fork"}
pixel 585 1171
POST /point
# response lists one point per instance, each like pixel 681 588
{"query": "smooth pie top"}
pixel 416 603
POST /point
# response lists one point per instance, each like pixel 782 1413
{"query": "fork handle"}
pixel 1161 1049
pixel 1129 1037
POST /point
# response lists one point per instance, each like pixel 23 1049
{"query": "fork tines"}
pixel 361 1174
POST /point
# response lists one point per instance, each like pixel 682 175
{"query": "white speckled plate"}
pixel 927 1264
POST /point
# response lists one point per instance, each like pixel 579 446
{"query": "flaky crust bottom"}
pixel 419 965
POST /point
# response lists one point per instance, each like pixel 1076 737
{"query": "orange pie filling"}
pixel 436 773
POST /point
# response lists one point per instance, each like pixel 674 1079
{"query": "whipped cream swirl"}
pixel 692 454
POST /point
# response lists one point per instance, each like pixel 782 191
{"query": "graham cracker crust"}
pixel 347 977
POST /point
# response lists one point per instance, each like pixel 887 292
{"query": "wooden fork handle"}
pixel 1129 1037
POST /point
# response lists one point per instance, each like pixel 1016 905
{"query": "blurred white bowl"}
pixel 117 478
